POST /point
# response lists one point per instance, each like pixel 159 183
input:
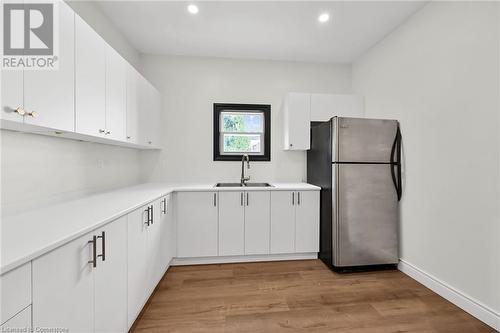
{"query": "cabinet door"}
pixel 116 89
pixel 90 76
pixel 51 93
pixel 297 119
pixel 172 229
pixel 63 287
pixel 137 262
pixel 155 257
pixel 282 222
pixel 307 222
pixel 257 222
pixel 167 231
pixel 196 224
pixel 231 223
pixel 132 113
pixel 110 305
pixel 11 88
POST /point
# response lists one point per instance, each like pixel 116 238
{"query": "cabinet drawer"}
pixel 16 291
pixel 20 323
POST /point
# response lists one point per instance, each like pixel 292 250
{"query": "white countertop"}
pixel 29 235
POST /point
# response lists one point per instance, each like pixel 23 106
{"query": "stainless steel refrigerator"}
pixel 357 163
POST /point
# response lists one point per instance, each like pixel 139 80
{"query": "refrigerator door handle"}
pixel 396 163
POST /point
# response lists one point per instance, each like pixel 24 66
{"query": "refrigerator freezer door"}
pixel 365 215
pixel 363 140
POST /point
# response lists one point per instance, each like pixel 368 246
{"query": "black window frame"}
pixel 264 108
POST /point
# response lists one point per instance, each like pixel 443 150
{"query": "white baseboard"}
pixel 463 301
pixel 236 259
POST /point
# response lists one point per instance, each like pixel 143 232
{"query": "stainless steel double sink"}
pixel 245 185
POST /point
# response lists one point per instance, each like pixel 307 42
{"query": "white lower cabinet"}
pixel 154 245
pixel 21 322
pixel 231 223
pixel 294 222
pixel 110 304
pixel 137 269
pixel 307 222
pixel 197 224
pixel 282 222
pixel 257 222
pixel 168 232
pixel 79 286
pixel 63 287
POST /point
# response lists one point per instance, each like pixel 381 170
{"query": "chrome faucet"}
pixel 243 178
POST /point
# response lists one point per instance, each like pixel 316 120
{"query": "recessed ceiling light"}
pixel 323 17
pixel 193 9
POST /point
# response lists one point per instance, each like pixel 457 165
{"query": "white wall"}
pixel 438 74
pixel 38 170
pixel 191 85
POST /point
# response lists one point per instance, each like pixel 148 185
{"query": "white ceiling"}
pixel 258 29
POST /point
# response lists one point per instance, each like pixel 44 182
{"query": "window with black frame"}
pixel 241 129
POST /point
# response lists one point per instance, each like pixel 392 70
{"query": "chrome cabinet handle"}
pixel 164 201
pixel 148 218
pixel 293 198
pixel 94 251
pixel 241 198
pixel 129 137
pixel 152 215
pixel 247 199
pixel 103 246
pixel 107 132
pixel 33 114
pixel 102 131
pixel 215 199
pixel 298 198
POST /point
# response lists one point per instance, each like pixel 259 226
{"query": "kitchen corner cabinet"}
pixel 132 105
pixel 294 222
pixel 296 121
pixel 197 216
pixel 149 103
pixel 79 286
pixel 168 231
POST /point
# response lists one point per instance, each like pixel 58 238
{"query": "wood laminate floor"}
pixel 297 296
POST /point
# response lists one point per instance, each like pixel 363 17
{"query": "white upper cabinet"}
pixel 12 96
pixel 296 121
pixel 326 106
pixel 149 105
pixel 132 105
pixel 299 109
pixel 50 93
pixel 116 95
pixel 90 79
